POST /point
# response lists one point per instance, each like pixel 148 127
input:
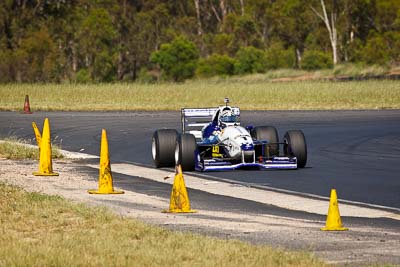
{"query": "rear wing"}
pixel 194 119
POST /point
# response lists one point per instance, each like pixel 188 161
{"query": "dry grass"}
pixel 340 70
pixel 13 148
pixel 248 92
pixel 354 70
pixel 41 230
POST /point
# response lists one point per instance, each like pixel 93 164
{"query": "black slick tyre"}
pixel 163 147
pixel 270 134
pixel 295 146
pixel 185 151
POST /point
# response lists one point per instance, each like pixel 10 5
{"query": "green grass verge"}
pixel 13 148
pixel 248 92
pixel 41 230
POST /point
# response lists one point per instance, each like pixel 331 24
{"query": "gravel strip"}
pixel 363 244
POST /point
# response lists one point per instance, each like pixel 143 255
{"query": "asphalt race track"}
pixel 356 152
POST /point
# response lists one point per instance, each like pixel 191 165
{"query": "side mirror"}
pixel 226 100
pixel 249 128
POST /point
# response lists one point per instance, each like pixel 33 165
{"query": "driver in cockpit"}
pixel 222 119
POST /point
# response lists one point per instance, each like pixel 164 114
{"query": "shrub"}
pixel 5 66
pixel 376 51
pixel 277 57
pixel 216 65
pixel 82 76
pixel 393 39
pixel 103 68
pixel 354 50
pixel 250 60
pixel 177 60
pixel 146 76
pixel 313 60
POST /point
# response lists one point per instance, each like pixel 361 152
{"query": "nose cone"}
pixel 247 146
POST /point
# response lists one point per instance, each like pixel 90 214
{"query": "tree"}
pixel 245 30
pixel 97 34
pixel 106 40
pixel 387 11
pixel 221 43
pixel 37 57
pixel 147 31
pixel 198 16
pixel 263 15
pixel 178 59
pixel 220 13
pixel 330 25
pixel 294 22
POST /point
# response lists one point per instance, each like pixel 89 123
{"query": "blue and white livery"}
pixel 213 139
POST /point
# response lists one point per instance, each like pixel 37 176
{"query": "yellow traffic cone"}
pixel 105 175
pixel 46 164
pixel 333 221
pixel 179 202
pixel 37 134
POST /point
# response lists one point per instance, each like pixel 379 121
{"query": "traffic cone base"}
pixel 105 192
pixel 333 221
pixel 45 174
pixel 105 175
pixel 179 202
pixel 45 161
pixel 179 211
pixel 334 229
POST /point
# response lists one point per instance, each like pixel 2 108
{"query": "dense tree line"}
pixel 114 40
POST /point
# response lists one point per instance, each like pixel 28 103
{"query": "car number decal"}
pixel 215 152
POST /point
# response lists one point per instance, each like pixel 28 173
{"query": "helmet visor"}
pixel 229 119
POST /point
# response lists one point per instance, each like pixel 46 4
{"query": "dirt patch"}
pixel 393 75
pixel 363 244
pixel 305 77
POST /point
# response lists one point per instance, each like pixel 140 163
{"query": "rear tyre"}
pixel 163 147
pixel 185 151
pixel 270 134
pixel 295 146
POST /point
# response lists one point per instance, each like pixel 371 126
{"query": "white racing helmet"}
pixel 227 117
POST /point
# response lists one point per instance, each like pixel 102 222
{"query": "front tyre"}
pixel 185 151
pixel 295 146
pixel 270 134
pixel 163 147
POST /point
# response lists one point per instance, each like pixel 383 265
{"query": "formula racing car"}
pixel 212 139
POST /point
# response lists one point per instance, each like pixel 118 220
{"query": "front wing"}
pixel 213 157
pixel 226 165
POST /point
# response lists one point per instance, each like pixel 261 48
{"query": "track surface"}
pixel 356 152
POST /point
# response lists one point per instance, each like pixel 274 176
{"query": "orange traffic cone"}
pixel 333 221
pixel 45 164
pixel 179 202
pixel 27 108
pixel 105 175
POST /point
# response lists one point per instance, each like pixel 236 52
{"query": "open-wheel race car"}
pixel 212 139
